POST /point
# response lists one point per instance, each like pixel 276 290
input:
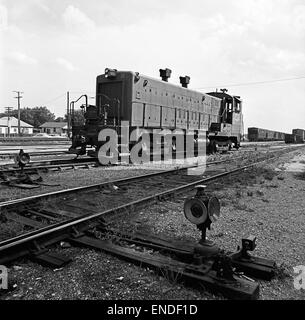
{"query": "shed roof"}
pixel 62 125
pixel 13 122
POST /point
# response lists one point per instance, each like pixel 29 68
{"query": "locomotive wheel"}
pixel 230 145
pixel 213 147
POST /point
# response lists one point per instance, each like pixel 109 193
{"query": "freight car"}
pixel 297 136
pixel 290 138
pixel 300 135
pixel 258 134
pixel 129 99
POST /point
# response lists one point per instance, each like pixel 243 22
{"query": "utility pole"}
pixel 68 113
pixel 18 97
pixel 8 111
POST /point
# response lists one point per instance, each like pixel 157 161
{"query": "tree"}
pixel 60 119
pixel 78 116
pixel 34 116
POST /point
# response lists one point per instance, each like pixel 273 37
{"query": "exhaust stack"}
pixel 165 74
pixel 185 81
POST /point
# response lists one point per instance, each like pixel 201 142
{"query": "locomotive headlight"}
pixel 110 73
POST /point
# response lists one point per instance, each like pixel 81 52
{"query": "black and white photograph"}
pixel 152 153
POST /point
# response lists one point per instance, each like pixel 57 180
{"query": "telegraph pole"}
pixel 68 113
pixel 18 97
pixel 8 111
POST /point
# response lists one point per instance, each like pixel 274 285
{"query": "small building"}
pixel 60 128
pixel 9 127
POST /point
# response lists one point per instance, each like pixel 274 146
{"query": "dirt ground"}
pixel 267 202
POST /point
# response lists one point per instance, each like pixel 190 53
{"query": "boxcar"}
pixel 300 135
pixel 259 134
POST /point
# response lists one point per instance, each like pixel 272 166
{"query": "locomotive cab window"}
pixel 237 105
pixel 229 106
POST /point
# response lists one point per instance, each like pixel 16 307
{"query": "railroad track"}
pixel 66 164
pixel 50 165
pixel 30 177
pixel 17 177
pixel 155 183
pixel 42 210
pixel 84 216
pixel 75 215
pixel 10 155
pixel 160 184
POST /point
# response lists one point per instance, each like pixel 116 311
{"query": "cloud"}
pixel 66 64
pixel 22 58
pixel 218 42
pixel 76 20
pixel 3 17
pixel 41 5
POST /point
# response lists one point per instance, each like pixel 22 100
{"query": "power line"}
pixel 252 83
pixel 54 99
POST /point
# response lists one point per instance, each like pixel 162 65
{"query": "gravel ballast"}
pixel 267 202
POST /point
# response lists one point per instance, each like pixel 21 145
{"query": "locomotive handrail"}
pixel 71 110
pixel 115 100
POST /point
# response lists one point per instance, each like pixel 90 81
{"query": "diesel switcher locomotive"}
pixel 129 99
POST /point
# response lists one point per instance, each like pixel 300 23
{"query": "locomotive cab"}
pixel 228 130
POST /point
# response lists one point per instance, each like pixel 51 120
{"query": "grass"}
pixel 250 177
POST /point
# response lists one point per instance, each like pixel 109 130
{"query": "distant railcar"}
pixel 290 138
pixel 300 135
pixel 259 134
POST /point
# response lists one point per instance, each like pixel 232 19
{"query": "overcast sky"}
pixel 50 46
